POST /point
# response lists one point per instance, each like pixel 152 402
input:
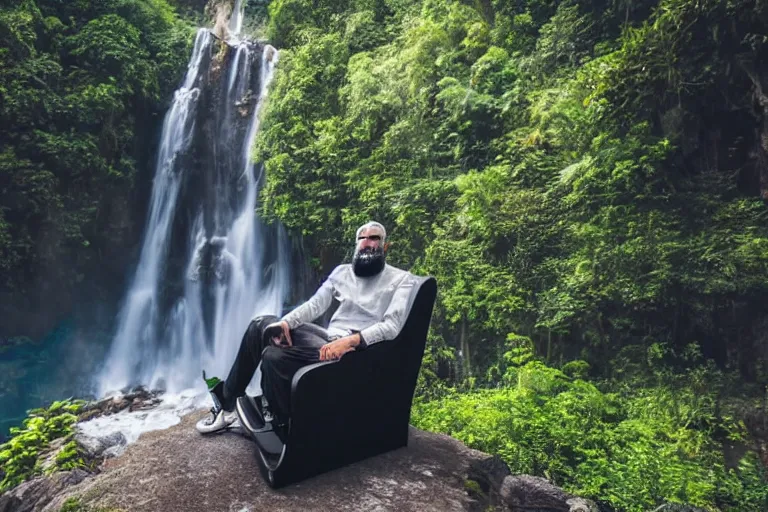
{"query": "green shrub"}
pixel 634 450
pixel 69 457
pixel 19 456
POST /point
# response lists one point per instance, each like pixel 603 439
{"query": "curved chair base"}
pixel 271 449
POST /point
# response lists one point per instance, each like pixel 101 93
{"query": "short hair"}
pixel 372 224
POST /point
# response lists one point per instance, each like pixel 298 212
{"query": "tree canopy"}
pixel 585 179
pixel 82 85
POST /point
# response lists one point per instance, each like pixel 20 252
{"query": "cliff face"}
pixel 178 469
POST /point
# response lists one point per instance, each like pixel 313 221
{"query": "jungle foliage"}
pixel 588 175
pixel 22 456
pixel 588 178
pixel 82 88
pixel 664 439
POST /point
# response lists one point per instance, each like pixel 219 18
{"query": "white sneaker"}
pixel 216 421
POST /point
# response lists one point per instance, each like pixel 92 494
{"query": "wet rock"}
pixel 142 405
pixel 88 415
pixel 95 447
pixel 114 451
pixel 136 399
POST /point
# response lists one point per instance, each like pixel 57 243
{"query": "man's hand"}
pixel 279 330
pixel 339 347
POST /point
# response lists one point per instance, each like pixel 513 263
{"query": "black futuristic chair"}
pixel 346 410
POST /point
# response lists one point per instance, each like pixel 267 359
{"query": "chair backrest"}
pixel 399 360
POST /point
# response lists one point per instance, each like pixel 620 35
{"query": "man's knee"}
pixel 255 330
pixel 261 321
pixel 252 338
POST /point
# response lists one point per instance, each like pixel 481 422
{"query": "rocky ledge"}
pixel 178 469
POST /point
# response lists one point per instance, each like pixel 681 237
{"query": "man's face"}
pixel 369 240
pixel 370 252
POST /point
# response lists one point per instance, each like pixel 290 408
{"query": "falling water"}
pixel 207 264
pixel 236 20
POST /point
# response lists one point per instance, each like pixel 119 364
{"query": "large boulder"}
pixel 179 469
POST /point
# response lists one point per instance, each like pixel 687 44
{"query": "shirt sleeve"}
pixel 314 307
pixel 394 318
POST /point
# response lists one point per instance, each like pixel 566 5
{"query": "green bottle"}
pixel 211 383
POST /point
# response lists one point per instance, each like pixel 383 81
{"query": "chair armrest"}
pixel 306 369
pixel 340 372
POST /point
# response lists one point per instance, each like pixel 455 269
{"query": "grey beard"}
pixel 368 263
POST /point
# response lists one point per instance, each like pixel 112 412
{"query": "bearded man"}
pixel 373 298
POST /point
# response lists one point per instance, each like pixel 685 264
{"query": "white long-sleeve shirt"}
pixel 375 306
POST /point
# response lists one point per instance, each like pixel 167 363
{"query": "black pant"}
pixel 278 364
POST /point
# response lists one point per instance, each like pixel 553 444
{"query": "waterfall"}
pixel 236 20
pixel 207 264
